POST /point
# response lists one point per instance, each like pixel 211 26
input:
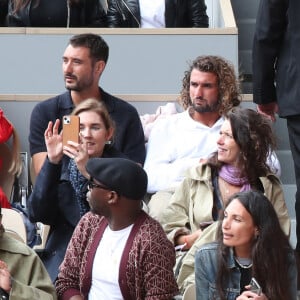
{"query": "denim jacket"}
pixel 206 273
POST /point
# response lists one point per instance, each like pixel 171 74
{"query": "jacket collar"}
pixel 9 244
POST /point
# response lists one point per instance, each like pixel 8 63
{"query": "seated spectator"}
pixel 251 244
pixel 84 61
pixel 157 13
pixel 58 198
pixel 22 274
pixel 56 13
pixel 240 164
pixel 117 251
pixel 209 89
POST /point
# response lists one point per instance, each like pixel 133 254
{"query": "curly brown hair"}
pixel 228 84
pixel 254 135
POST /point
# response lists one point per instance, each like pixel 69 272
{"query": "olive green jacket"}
pixel 30 279
pixel 192 204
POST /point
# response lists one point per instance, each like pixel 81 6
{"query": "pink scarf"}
pixel 231 175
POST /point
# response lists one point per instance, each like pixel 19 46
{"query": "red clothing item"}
pixel 146 267
pixel 6 128
pixel 3 200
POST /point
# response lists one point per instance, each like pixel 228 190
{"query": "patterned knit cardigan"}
pixel 146 268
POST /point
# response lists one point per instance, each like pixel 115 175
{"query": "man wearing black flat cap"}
pixel 117 251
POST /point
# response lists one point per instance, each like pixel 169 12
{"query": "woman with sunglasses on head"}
pixel 252 258
pixel 59 195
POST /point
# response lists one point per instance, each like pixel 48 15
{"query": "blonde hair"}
pixel 98 107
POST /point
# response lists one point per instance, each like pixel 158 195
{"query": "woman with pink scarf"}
pixel 240 164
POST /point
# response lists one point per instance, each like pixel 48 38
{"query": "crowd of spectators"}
pixel 211 174
pixel 95 13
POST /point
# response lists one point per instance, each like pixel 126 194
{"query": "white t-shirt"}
pixel 152 13
pixel 105 273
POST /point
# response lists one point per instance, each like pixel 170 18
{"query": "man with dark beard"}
pixel 209 89
pixel 84 61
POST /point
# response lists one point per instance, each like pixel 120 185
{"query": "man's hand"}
pixel 269 110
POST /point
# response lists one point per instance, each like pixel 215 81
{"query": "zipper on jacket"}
pixel 120 10
pixel 130 11
pixel 69 12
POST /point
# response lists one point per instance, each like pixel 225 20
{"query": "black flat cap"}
pixel 122 175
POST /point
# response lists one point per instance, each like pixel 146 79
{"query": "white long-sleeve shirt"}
pixel 175 144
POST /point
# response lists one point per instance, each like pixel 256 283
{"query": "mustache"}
pixel 199 98
pixel 69 75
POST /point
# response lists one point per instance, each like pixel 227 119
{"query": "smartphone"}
pixel 255 287
pixel 71 126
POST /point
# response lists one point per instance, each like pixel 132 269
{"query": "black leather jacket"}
pixel 178 13
pixel 91 14
pixel 3 11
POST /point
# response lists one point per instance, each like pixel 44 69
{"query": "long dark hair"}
pixel 254 135
pixel 270 251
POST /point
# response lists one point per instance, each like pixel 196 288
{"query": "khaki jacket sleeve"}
pixel 30 279
pixel 186 274
pixel 175 219
pixel 274 192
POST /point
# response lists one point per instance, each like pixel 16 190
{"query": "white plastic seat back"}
pixel 13 224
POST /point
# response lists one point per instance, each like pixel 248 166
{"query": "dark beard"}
pixel 207 108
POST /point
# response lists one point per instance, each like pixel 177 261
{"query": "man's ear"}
pixel 100 66
pixel 113 197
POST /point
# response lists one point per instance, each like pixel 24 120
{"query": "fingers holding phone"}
pixel 254 291
pixel 79 153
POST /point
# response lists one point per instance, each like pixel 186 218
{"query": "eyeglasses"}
pixel 91 185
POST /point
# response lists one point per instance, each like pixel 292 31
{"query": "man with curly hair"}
pixel 209 89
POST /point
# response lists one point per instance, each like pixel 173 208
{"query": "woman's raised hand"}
pixel 53 140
